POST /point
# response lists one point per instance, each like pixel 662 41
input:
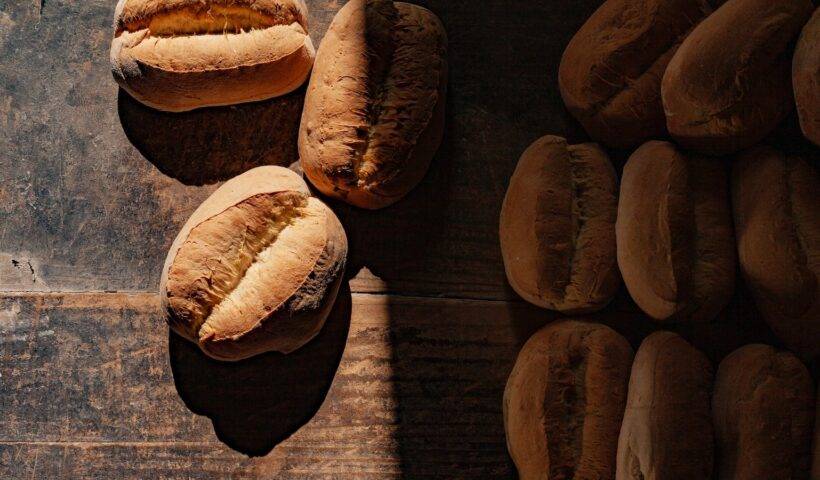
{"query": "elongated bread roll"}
pixel 564 402
pixel 256 268
pixel 178 55
pixel 775 198
pixel 674 233
pixel 374 110
pixel 806 78
pixel 729 83
pixel 610 73
pixel 667 429
pixel 558 226
pixel 763 409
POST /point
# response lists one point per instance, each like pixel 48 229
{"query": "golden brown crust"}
pixel 564 401
pixel 728 85
pixel 610 74
pixel 775 199
pixel 674 233
pixel 187 54
pixel 557 226
pixel 763 409
pixel 255 268
pixel 374 110
pixel 806 78
pixel 667 427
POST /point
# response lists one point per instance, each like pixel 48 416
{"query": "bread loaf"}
pixel 178 55
pixel 667 429
pixel 564 402
pixel 674 233
pixel 558 226
pixel 763 410
pixel 610 74
pixel 775 198
pixel 374 110
pixel 256 268
pixel 729 85
pixel 806 78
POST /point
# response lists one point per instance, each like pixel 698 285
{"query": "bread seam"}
pixel 197 328
pixel 140 22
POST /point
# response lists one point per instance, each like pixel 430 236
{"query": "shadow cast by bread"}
pixel 257 403
pixel 213 144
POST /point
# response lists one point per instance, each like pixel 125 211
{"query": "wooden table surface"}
pixel 406 379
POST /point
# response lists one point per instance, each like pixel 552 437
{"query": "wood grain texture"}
pixel 87 389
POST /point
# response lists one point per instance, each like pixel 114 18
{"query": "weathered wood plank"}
pixel 86 376
pixel 417 392
pixel 82 209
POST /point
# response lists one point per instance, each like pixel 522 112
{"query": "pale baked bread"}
pixel 256 268
pixel 564 402
pixel 374 110
pixel 763 410
pixel 667 429
pixel 557 226
pixel 610 73
pixel 775 198
pixel 729 83
pixel 676 250
pixel 806 78
pixel 178 55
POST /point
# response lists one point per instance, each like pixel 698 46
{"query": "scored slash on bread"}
pixel 256 268
pixel 374 108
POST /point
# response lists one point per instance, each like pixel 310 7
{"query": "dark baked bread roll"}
pixel 564 402
pixel 763 410
pixel 558 226
pixel 610 74
pixel 374 110
pixel 667 429
pixel 775 198
pixel 674 233
pixel 256 268
pixel 806 78
pixel 729 83
pixel 178 55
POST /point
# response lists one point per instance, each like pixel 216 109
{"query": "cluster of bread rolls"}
pixel 680 82
pixel 576 405
pixel 258 265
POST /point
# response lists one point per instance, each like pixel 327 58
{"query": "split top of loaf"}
pixel 191 35
pixel 676 248
pixel 255 267
pixel 374 108
pixel 557 226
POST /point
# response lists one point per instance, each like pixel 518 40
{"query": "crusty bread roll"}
pixel 775 200
pixel 610 74
pixel 177 55
pixel 564 402
pixel 558 226
pixel 256 268
pixel 667 429
pixel 729 84
pixel 806 78
pixel 374 110
pixel 763 410
pixel 674 233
